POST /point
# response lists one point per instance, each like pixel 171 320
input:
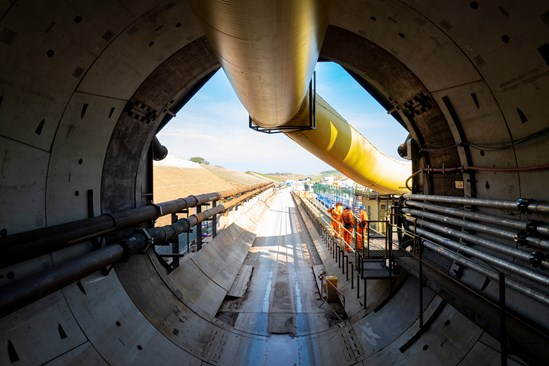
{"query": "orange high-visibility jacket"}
pixel 363 218
pixel 348 219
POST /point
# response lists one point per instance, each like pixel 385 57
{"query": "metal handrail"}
pixel 27 245
pixel 27 290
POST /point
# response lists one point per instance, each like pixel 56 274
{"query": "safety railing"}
pixel 27 245
pixel 349 259
pixel 26 290
pixel 508 251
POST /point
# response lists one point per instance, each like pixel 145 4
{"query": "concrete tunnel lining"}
pixel 121 186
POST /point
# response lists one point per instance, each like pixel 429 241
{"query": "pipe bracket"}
pixel 523 203
pixel 189 227
pixel 520 238
pixel 113 221
pixel 159 211
pixel 150 239
pixel 537 259
pixel 532 226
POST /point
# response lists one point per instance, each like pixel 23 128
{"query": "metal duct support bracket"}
pixel 290 128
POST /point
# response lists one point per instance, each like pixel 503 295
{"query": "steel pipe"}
pixel 24 246
pixel 32 288
pixel 36 286
pixel 484 256
pixel 522 205
pixel 490 273
pixel 493 245
pixel 528 240
pixel 496 220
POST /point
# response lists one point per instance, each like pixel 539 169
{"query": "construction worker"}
pixel 348 221
pixel 335 213
pixel 361 228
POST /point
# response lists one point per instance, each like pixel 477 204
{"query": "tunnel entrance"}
pixel 82 97
pixel 214 113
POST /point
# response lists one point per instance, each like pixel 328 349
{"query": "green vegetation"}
pixel 199 160
pixel 330 172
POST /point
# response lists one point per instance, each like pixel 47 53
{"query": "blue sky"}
pixel 214 125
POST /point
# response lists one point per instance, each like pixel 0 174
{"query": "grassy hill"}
pixel 176 178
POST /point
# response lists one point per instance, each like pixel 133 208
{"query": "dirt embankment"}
pixel 176 179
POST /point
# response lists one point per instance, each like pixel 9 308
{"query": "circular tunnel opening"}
pixel 172 315
pixel 139 306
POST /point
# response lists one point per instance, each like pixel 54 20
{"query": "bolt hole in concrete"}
pixel 38 130
pixel 61 330
pixel 81 287
pixel 50 53
pixel 12 353
pixel 521 115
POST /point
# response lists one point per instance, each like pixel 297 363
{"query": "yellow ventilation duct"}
pixel 268 50
pixel 338 144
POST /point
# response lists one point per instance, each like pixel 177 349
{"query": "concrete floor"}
pixel 184 316
pixel 289 323
pixel 84 89
pixel 282 301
